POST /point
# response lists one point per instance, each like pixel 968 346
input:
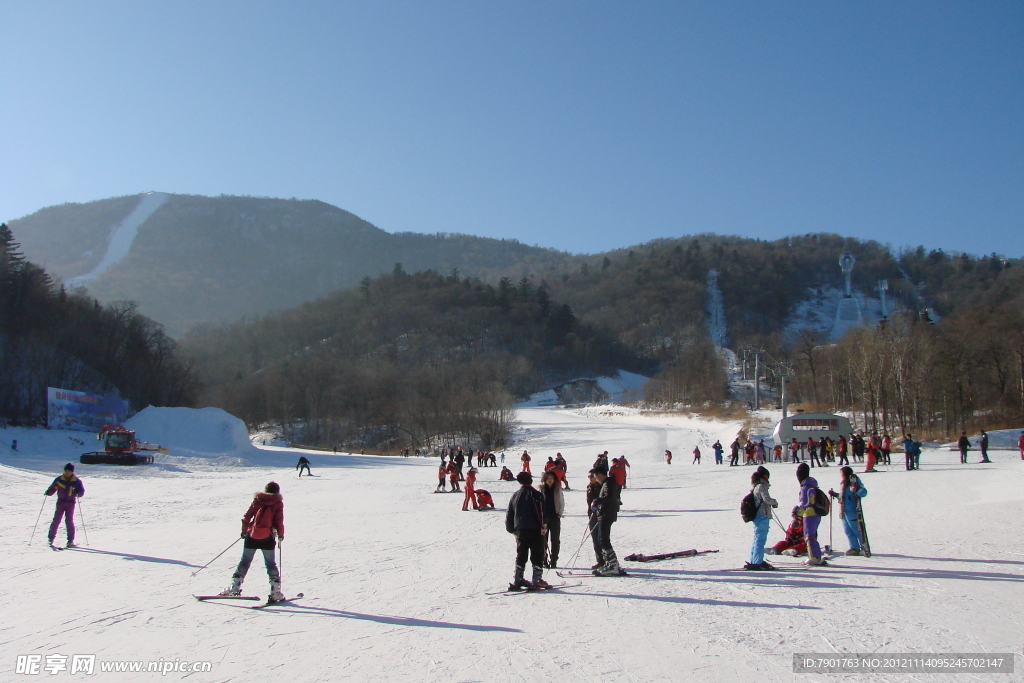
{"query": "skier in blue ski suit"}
pixel 852 489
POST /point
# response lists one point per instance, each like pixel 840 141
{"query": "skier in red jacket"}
pixel 617 472
pixel 262 522
pixel 453 475
pixel 470 491
pixel 526 462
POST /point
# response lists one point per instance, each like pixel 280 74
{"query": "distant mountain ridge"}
pixel 198 259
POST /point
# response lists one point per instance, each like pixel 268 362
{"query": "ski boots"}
pixel 275 592
pixel 538 582
pixel 815 562
pixel 611 565
pixel 235 589
pixel 853 551
pixel 519 583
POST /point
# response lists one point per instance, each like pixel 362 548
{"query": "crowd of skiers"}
pixel 802 534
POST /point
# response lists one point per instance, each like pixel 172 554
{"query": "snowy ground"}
pixel 395 576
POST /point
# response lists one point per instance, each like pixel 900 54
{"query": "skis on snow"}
pixel 552 587
pixel 640 557
pixel 271 603
pixel 203 598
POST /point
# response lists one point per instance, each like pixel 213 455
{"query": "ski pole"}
pixel 778 521
pixel 215 559
pixel 575 556
pixel 280 560
pixel 37 521
pixel 85 531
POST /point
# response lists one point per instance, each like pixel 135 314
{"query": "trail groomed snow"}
pixel 394 576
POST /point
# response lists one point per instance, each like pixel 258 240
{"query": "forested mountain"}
pixel 403 358
pixel 215 259
pixel 50 338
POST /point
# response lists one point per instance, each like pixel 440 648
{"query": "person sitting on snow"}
pixel 484 500
pixel 794 543
pixel 506 474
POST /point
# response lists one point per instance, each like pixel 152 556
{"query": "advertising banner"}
pixel 79 410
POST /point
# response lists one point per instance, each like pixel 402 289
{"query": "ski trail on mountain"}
pixel 123 236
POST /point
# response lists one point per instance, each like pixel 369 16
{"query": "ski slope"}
pixel 395 576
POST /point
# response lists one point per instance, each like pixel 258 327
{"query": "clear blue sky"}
pixel 583 126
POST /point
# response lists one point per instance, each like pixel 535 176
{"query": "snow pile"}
pixel 210 435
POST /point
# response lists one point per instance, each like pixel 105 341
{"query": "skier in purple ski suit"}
pixel 69 489
pixel 810 515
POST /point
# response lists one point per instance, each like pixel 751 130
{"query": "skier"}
pixel 554 504
pixel 668 457
pixel 912 451
pixel 442 471
pixel 453 476
pixel 808 484
pixel 262 522
pixel 625 471
pixel 983 445
pixel 69 488
pixel 506 474
pixel 1020 445
pixel 601 462
pixel 717 447
pixel 593 489
pixel 963 444
pixel 794 451
pixel 841 447
pixel 794 544
pixel 812 452
pixel 696 455
pixel 606 509
pixel 561 467
pixel 470 492
pixel 484 500
pixel 778 452
pixel 459 460
pixel 618 472
pixel 886 448
pixel 851 490
pixel 765 503
pixel 734 452
pixel 872 455
pixel 525 457
pixel 525 519
pixel 760 451
pixel 303 464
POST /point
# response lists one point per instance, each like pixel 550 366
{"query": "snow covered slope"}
pixel 395 576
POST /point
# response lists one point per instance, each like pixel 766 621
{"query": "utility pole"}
pixel 757 380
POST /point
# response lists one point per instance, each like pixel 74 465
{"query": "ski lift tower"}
pixel 846 262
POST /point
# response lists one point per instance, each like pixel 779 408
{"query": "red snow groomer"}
pixel 120 448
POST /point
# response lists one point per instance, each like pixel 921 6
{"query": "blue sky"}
pixel 582 126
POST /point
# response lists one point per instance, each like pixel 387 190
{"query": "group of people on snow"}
pixel 802 533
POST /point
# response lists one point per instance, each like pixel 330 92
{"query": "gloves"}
pixel 243 534
pixel 833 493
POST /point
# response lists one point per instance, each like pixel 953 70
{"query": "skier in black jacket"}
pixel 963 444
pixel 606 511
pixel 525 519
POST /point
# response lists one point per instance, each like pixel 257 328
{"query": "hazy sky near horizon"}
pixel 579 126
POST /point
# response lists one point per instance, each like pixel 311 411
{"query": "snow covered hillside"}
pixel 395 576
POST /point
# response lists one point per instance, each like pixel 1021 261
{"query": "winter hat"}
pixel 524 478
pixel 803 470
pixel 69 466
pixel 764 471
pixel 796 509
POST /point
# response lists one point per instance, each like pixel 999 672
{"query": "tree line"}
pixel 415 360
pixel 50 337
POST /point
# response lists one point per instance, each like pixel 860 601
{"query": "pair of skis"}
pixel 865 545
pixel 268 603
pixel 640 557
pixel 551 587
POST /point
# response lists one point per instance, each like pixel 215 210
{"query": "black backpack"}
pixel 749 506
pixel 821 504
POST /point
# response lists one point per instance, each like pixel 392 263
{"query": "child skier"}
pixel 794 543
pixel 808 484
pixel 442 471
pixel 470 497
pixel 696 455
pixel 525 458
pixel 262 522
pixel 69 489
pixel 606 509
pixel 849 492
pixel 525 519
pixel 765 503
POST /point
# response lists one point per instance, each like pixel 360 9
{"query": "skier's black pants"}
pixel 815 459
pixel 305 467
pixel 529 542
pixel 603 530
pixel 963 455
pixel 440 482
pixel 595 537
pixel 554 537
pixel 910 461
pixel 843 460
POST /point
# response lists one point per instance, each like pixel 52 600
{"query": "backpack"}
pixel 821 504
pixel 749 506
